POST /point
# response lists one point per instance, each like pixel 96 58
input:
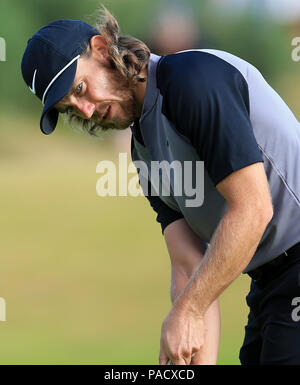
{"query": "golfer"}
pixel 198 106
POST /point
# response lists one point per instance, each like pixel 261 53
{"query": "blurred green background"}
pixel 86 279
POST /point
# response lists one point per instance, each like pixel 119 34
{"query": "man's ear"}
pixel 99 47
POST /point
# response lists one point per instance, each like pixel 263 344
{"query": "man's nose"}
pixel 86 108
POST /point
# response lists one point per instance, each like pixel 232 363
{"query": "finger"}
pixel 163 358
pixel 178 361
pixel 188 359
pixel 196 358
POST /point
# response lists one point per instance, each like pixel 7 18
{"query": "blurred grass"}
pixel 85 279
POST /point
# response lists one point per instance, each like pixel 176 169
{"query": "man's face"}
pixel 100 94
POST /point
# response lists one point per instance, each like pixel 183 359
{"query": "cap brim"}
pixel 58 91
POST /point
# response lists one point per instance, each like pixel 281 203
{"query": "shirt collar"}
pixel 152 91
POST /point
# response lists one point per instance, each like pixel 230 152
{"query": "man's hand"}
pixel 182 337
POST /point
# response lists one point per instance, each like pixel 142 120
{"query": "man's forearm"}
pixel 230 251
pixel 212 322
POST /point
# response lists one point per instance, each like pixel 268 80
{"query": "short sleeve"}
pixel 207 100
pixel 165 215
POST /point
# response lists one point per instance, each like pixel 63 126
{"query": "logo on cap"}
pixel 32 88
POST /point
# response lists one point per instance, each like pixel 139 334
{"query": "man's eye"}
pixel 69 110
pixel 78 89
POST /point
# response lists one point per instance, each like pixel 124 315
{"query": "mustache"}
pixel 92 127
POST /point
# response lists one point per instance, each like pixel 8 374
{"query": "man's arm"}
pixel 186 252
pixel 231 249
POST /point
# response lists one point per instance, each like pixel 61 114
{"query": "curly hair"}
pixel 128 56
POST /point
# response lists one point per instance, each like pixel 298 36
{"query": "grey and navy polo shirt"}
pixel 211 106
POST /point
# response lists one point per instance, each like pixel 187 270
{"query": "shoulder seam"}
pixel 279 173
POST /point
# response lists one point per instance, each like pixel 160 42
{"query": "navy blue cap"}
pixel 50 61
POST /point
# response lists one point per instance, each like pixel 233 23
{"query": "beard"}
pixel 129 106
pixel 120 88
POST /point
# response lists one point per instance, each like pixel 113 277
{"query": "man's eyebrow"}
pixel 61 111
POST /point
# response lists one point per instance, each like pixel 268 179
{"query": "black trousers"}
pixel 272 335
